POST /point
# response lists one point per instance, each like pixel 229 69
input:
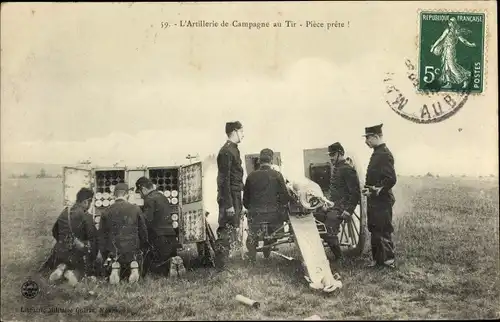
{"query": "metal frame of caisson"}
pixel 185 196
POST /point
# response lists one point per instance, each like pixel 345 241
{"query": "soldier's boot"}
pixel 181 269
pixel 71 277
pixel 221 253
pixel 252 244
pixel 134 272
pixel 57 273
pixel 114 277
pixel 172 270
pixel 333 243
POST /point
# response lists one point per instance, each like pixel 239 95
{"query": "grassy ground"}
pixel 446 239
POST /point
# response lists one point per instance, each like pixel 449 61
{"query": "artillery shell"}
pixel 175 217
pixel 112 201
pixel 175 224
pixel 98 203
pixel 175 193
pixel 105 203
pixel 98 195
pixel 174 201
pixel 167 193
pixel 106 195
pixel 247 301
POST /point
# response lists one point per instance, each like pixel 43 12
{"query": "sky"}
pixel 106 82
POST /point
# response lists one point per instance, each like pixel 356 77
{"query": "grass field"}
pixel 446 237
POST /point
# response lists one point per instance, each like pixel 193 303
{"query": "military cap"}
pixel 84 194
pixel 142 182
pixel 122 186
pixel 372 130
pixel 335 147
pixel 233 126
pixel 266 155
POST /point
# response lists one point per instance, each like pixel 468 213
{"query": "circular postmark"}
pixel 403 96
pixel 30 289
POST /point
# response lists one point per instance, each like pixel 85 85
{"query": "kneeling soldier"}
pixel 123 233
pixel 74 232
pixel 161 232
pixel 265 196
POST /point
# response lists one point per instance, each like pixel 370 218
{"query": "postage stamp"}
pixel 401 95
pixel 451 53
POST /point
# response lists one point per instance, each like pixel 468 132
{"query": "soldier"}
pixel 265 196
pixel 75 233
pixel 123 234
pixel 162 234
pixel 380 178
pixel 229 188
pixel 344 193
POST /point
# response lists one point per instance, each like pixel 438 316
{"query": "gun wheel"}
pixel 353 232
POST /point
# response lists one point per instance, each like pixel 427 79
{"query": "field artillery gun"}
pixel 317 171
pixel 303 227
pixel 187 187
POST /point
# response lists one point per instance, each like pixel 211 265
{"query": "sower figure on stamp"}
pixel 229 189
pixel 345 193
pixel 123 234
pixel 380 178
pixel 265 195
pixel 75 233
pixel 161 232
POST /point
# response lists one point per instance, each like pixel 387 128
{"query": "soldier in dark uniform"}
pixel 123 234
pixel 345 193
pixel 380 178
pixel 229 188
pixel 75 236
pixel 161 232
pixel 265 196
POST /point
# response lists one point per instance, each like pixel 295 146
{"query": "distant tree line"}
pixel 41 175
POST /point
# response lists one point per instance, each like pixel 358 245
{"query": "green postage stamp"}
pixel 451 52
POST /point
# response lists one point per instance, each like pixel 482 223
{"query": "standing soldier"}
pixel 344 193
pixel 75 233
pixel 123 234
pixel 229 189
pixel 161 232
pixel 265 196
pixel 380 178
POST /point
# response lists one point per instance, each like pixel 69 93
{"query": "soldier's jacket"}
pixel 265 193
pixel 381 173
pixel 345 191
pixel 158 214
pixel 123 229
pixel 82 225
pixel 230 173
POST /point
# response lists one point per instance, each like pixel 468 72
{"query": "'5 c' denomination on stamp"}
pixel 451 52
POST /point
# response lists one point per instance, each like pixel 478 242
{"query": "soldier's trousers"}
pixel 381 229
pixel 256 232
pixel 332 223
pixel 73 258
pixel 228 224
pixel 164 248
pixel 125 259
